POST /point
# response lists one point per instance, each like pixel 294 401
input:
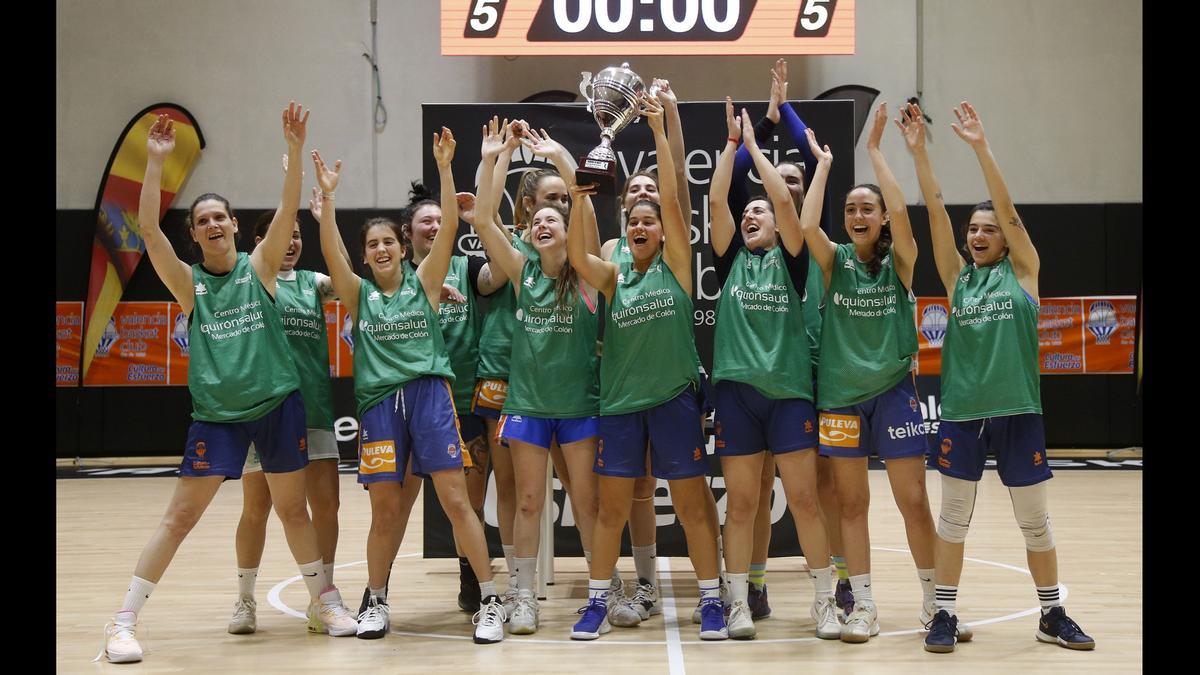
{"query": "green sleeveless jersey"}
pixel 240 365
pixel 554 363
pixel 649 349
pixel 869 334
pixel 396 340
pixel 495 339
pixel 814 292
pixel 990 355
pixel 460 331
pixel 760 338
pixel 304 324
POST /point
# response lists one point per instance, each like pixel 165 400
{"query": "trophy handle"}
pixel 584 86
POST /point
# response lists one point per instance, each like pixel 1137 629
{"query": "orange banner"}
pixel 132 349
pixel 1075 335
pixel 932 317
pixel 68 337
pixel 1111 335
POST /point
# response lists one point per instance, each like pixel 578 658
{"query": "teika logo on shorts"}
pixel 839 431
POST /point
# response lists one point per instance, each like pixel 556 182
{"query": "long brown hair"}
pixel 530 180
pixel 567 281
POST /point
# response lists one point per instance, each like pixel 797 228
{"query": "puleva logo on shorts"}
pixel 492 394
pixel 378 457
pixel 1102 321
pixel 933 324
pixel 452 450
pixel 840 431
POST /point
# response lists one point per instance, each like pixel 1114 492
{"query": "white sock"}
pixel 246 578
pixel 526 569
pixel 645 561
pixel 314 578
pixel 947 596
pixel 487 589
pixel 860 585
pixel 1047 596
pixel 510 554
pixel 927 584
pixel 139 591
pixel 739 586
pixel 328 573
pixel 822 582
pixel 598 588
pixel 380 593
pixel 710 589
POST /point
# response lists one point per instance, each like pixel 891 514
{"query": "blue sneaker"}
pixel 1057 627
pixel 943 633
pixel 757 600
pixel 594 622
pixel 712 620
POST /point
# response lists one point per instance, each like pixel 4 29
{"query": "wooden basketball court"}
pixel 102 525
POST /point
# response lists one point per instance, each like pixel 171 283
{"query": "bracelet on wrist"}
pixel 732 139
pixel 327 196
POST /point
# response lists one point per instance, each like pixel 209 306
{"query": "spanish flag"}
pixel 118 244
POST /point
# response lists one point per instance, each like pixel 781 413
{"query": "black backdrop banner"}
pixel 704 134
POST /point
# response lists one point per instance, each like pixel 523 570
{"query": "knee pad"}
pixel 1029 506
pixel 958 505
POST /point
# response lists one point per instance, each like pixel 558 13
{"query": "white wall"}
pixel 1058 85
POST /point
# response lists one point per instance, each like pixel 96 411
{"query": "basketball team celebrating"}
pixel 443 391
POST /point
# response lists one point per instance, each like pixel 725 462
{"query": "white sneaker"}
pixel 929 610
pixel 524 619
pixel 825 613
pixel 329 615
pixel 509 600
pixel 120 643
pixel 374 621
pixel 489 621
pixel 244 620
pixel 621 611
pixel 862 624
pixel 741 625
pixel 645 600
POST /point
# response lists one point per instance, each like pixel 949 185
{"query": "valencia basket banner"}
pixel 118 244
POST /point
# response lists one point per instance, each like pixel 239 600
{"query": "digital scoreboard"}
pixel 638 27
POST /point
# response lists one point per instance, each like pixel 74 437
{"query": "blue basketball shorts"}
pixel 220 448
pixel 416 424
pixel 1018 441
pixel 889 425
pixel 746 422
pixel 675 435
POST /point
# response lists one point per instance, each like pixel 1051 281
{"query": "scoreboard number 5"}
pixel 814 18
pixel 484 19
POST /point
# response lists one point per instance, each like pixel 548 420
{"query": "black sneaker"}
pixel 468 587
pixel 1056 626
pixel 943 632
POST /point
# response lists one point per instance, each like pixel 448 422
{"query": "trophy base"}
pixel 601 172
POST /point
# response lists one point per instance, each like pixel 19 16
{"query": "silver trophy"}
pixel 613 102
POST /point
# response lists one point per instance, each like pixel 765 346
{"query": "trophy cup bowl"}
pixel 612 97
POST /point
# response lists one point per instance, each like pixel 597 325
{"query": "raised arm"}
pixel 599 274
pixel 904 245
pixel 1021 251
pixel 432 270
pixel 722 226
pixel 268 256
pixel 666 97
pixel 781 199
pixel 345 282
pixel 176 275
pixel 821 247
pixel 677 251
pixel 314 207
pixel 739 196
pixel 501 253
pixel 543 146
pixel 949 262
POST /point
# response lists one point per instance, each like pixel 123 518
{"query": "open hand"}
pixel 443 147
pixel 466 207
pixel 912 126
pixel 295 125
pixel 823 155
pixel 161 141
pixel 969 128
pixel 326 178
pixel 652 111
pixel 878 124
